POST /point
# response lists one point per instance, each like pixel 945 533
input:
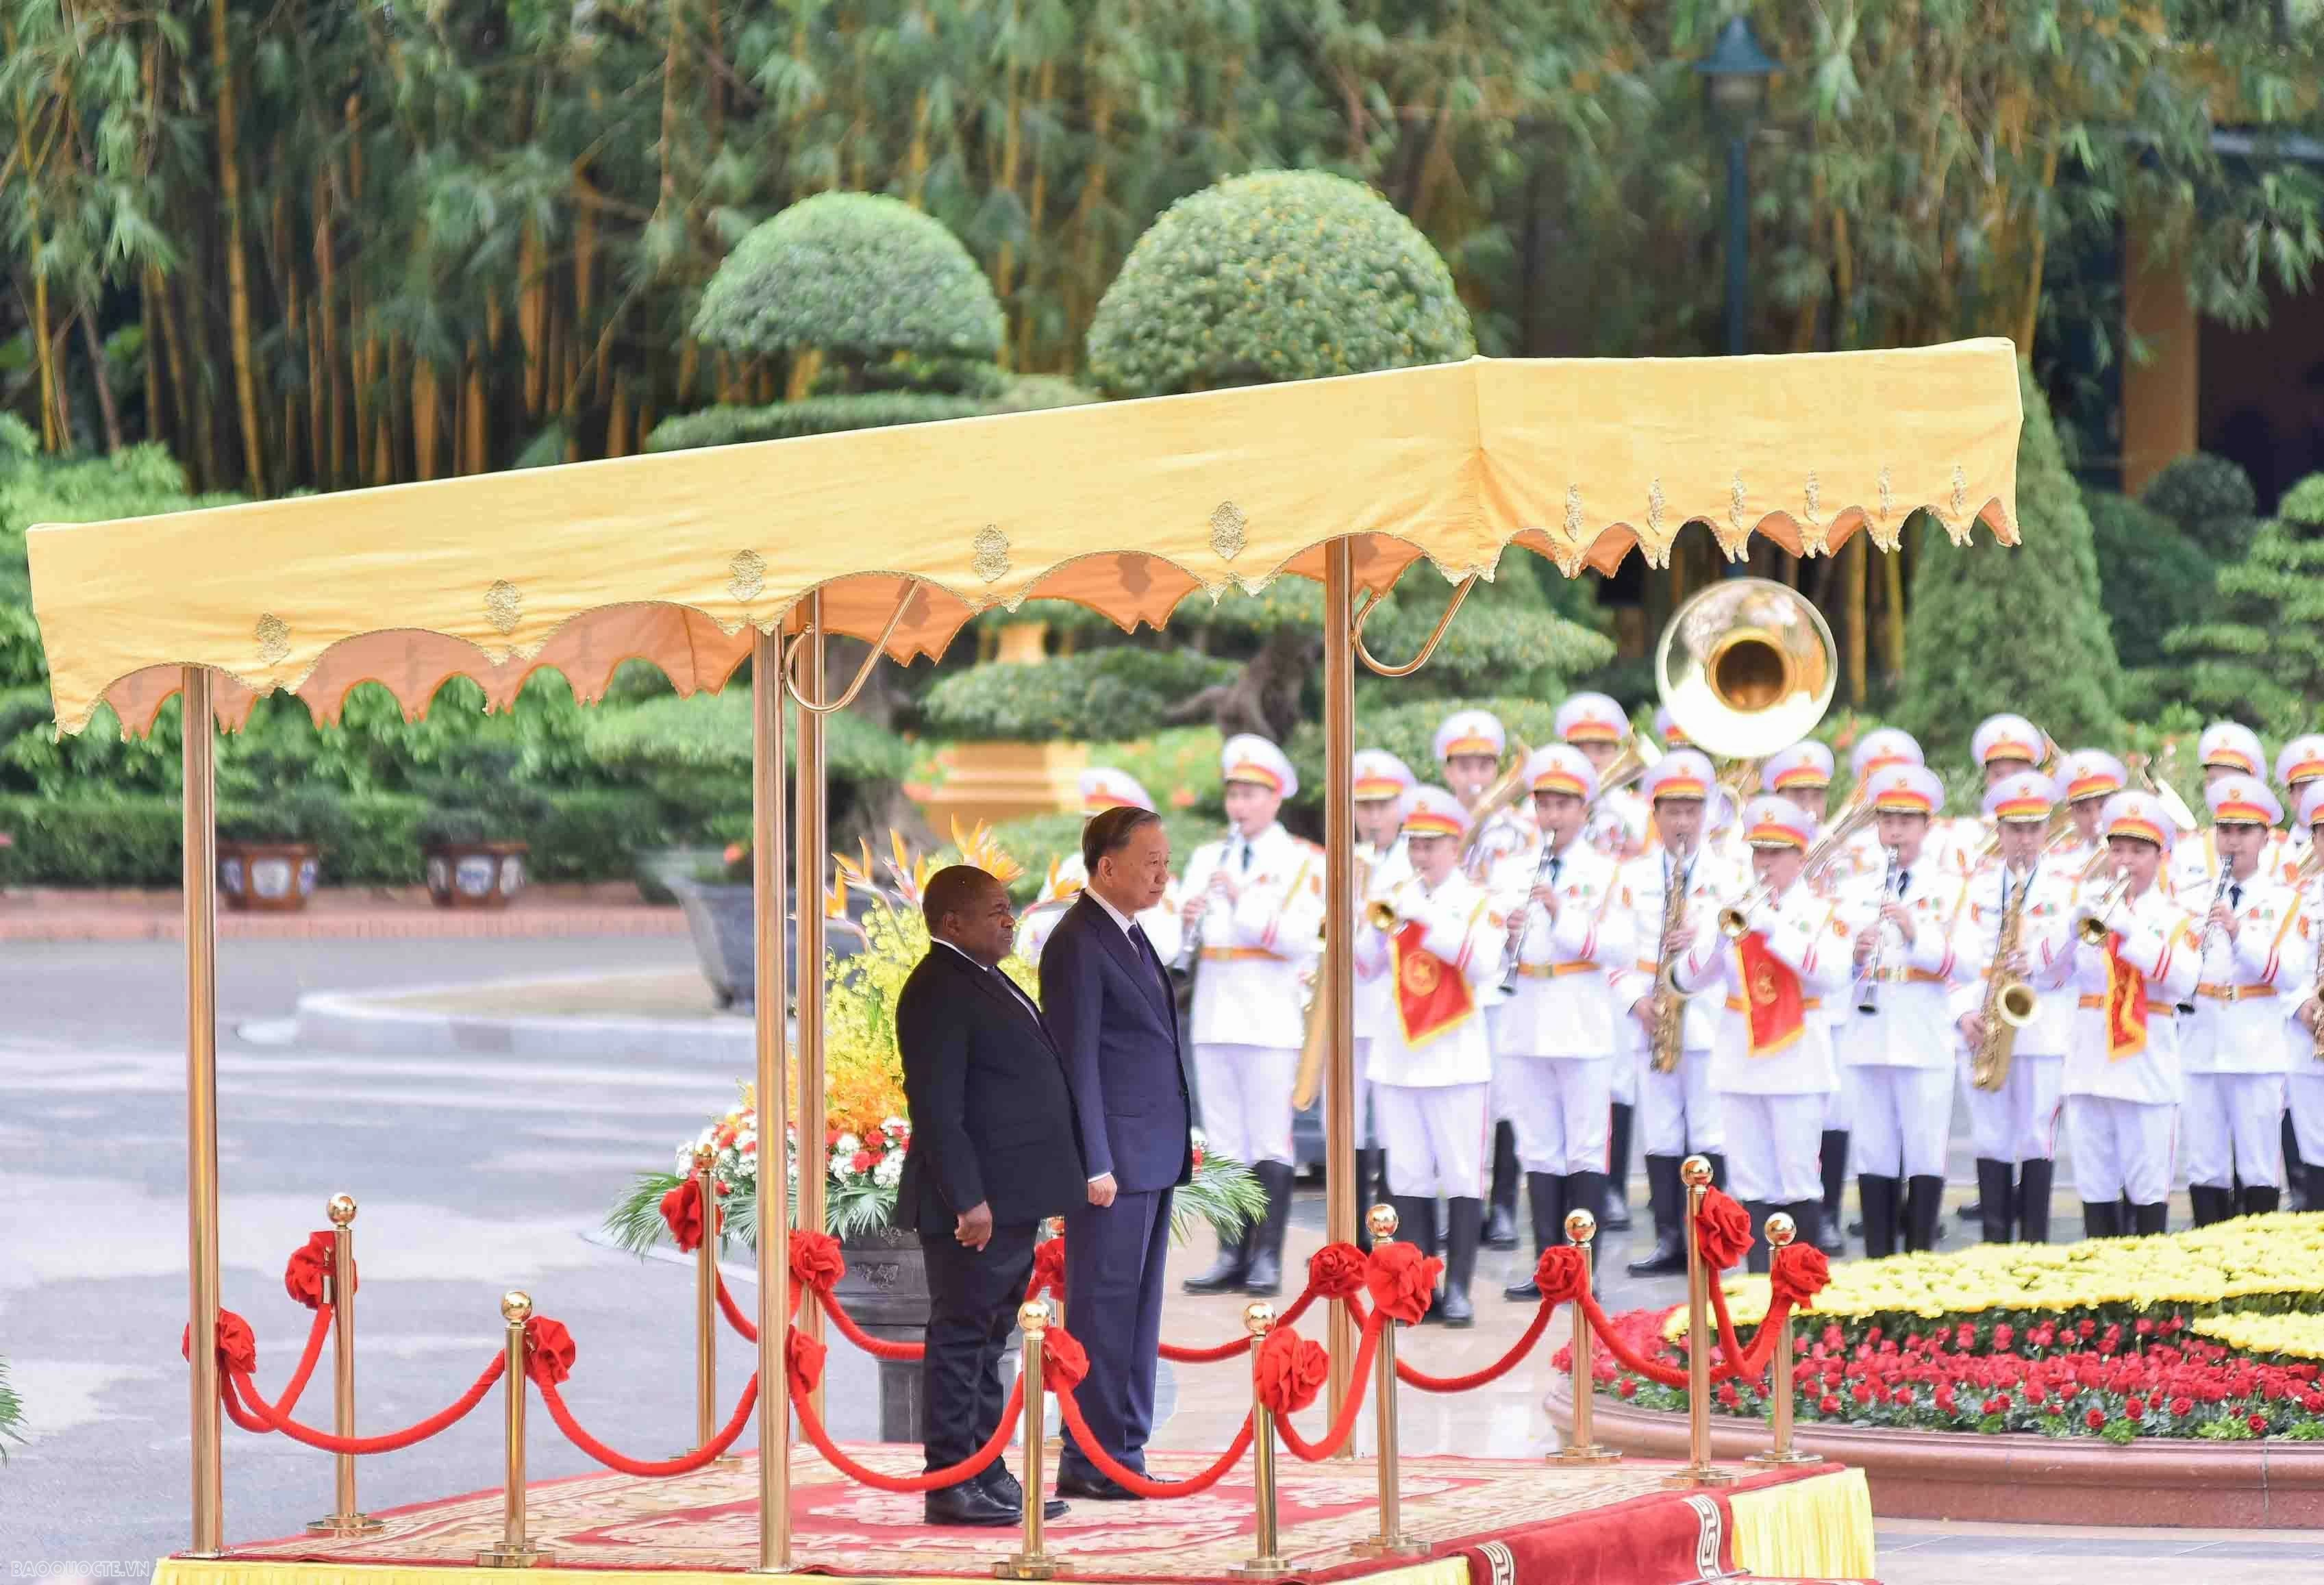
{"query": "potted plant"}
pixel 867 1129
pixel 721 904
pixel 471 839
pixel 270 853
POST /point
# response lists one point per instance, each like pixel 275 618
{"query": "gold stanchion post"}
pixel 339 1291
pixel 811 843
pixel 1781 1392
pixel 198 762
pixel 1391 1541
pixel 1338 970
pixel 768 829
pixel 1697 1471
pixel 706 1307
pixel 514 1552
pixel 1032 1561
pixel 1581 1446
pixel 1265 1560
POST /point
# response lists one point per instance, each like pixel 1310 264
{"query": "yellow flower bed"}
pixel 2297 1337
pixel 2248 1257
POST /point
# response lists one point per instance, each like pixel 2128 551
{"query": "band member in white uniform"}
pixel 1257 900
pixel 1382 781
pixel 1102 789
pixel 2086 781
pixel 2305 1050
pixel 2232 1116
pixel 1430 1065
pixel 1678 1110
pixel 2123 1084
pixel 1900 1046
pixel 1468 746
pixel 1554 1039
pixel 2227 747
pixel 1772 1063
pixel 1802 773
pixel 2015 1126
pixel 1618 825
pixel 2299 767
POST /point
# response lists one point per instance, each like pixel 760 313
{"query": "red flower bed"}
pixel 2075 1375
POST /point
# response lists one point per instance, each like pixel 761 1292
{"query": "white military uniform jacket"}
pixel 2302 969
pixel 1504 834
pixel 1563 1003
pixel 2156 937
pixel 1913 1027
pixel 1618 822
pixel 2045 920
pixel 1258 950
pixel 1802 931
pixel 1387 872
pixel 1710 882
pixel 2237 1008
pixel 2194 866
pixel 1462 934
pixel 1162 922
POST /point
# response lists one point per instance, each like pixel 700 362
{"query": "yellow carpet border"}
pixel 1819 1528
pixel 177 1571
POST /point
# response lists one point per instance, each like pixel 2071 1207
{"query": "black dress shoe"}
pixel 1008 1491
pixel 968 1503
pixel 1096 1488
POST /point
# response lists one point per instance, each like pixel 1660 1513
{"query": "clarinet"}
pixel 1869 1001
pixel 1517 948
pixel 1190 949
pixel 2203 944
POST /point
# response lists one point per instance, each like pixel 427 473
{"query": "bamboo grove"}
pixel 320 243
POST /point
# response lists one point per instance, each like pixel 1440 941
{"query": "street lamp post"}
pixel 1735 84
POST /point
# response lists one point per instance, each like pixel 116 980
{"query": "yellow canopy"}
pixel 1125 507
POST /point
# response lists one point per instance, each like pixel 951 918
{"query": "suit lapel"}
pixel 985 982
pixel 1140 968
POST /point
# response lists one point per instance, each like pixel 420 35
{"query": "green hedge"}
pixel 1085 696
pixel 871 410
pixel 588 835
pixel 2153 576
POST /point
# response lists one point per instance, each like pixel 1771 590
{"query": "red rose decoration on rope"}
pixel 311 1269
pixel 1291 1371
pixel 1064 1361
pixel 1801 1272
pixel 1723 1229
pixel 1336 1271
pixel 1049 1267
pixel 816 1260
pixel 681 1209
pixel 1402 1280
pixel 547 1351
pixel 1560 1274
pixel 238 1346
pixel 803 1356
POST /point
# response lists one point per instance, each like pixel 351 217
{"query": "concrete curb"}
pixel 333 1020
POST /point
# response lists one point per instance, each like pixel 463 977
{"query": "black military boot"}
pixel 1415 1224
pixel 1834 1164
pixel 1756 1259
pixel 1227 1273
pixel 1878 1197
pixel 2300 1178
pixel 1924 1209
pixel 2259 1200
pixel 1614 1214
pixel 1464 1221
pixel 1545 1200
pixel 2147 1221
pixel 2211 1202
pixel 1667 1198
pixel 1265 1277
pixel 1993 1193
pixel 2033 1181
pixel 2102 1219
pixel 1501 1225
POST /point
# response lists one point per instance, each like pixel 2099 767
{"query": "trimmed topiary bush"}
pixel 871 410
pixel 1092 695
pixel 856 276
pixel 2152 578
pixel 2260 658
pixel 1280 275
pixel 2211 501
pixel 2023 626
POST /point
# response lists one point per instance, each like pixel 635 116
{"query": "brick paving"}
pixel 339 914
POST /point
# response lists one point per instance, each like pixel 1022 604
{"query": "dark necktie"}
pixel 2235 894
pixel 1903 879
pixel 1246 857
pixel 1556 862
pixel 1146 953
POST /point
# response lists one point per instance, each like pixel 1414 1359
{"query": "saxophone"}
pixel 1669 1038
pixel 2009 1001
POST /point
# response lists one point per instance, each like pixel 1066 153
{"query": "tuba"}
pixel 1506 788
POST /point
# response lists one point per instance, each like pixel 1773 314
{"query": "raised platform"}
pixel 1492 1522
pixel 2014 1478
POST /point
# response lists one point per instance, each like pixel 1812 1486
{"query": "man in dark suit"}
pixel 1114 1016
pixel 994 1151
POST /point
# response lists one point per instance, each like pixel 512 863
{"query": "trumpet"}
pixel 2091 927
pixel 1856 813
pixel 1381 916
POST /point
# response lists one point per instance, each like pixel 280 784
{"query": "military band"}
pixel 1539 947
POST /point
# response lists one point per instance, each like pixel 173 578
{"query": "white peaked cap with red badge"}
pixel 2006 737
pixel 2139 814
pixel 1431 811
pixel 1591 718
pixel 1471 732
pixel 2231 746
pixel 1882 746
pixel 1683 773
pixel 1104 787
pixel 1807 763
pixel 2243 800
pixel 1772 822
pixel 1380 775
pixel 1249 757
pixel 2021 796
pixel 1907 789
pixel 1559 767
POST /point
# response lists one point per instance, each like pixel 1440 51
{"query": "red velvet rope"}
pixel 975 1464
pixel 740 1322
pixel 238 1389
pixel 1493 1372
pixel 1131 1479
pixel 1344 1425
pixel 296 1387
pixel 683 1464
pixel 877 1348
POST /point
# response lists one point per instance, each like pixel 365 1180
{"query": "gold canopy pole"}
pixel 200 806
pixel 766 833
pixel 813 842
pixel 1339 967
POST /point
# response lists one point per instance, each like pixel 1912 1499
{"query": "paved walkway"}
pixel 364 913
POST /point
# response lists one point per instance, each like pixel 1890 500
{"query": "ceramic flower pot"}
pixel 474 874
pixel 268 877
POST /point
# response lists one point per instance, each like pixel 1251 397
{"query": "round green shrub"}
pixel 859 277
pixel 2151 577
pixel 2211 499
pixel 1281 275
pixel 1089 695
